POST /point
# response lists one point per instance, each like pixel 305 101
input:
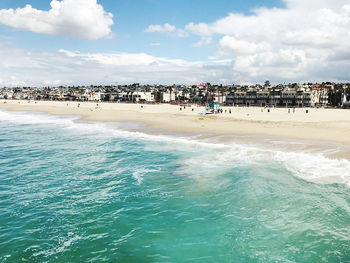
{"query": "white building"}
pixel 94 96
pixel 168 96
pixel 144 96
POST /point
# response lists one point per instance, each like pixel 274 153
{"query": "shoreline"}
pixel 321 127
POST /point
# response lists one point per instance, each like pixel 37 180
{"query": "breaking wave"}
pixel 311 166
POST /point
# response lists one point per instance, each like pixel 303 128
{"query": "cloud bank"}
pixel 64 67
pixel 306 40
pixel 77 18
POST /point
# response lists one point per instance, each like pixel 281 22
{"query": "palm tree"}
pixel 211 90
pixel 222 90
pixel 170 90
pixel 184 92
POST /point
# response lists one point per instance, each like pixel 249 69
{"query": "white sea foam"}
pixel 139 173
pixel 314 167
pixel 106 129
pixel 20 117
pixel 311 166
pixel 63 245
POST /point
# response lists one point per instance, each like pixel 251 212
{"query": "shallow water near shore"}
pixel 74 191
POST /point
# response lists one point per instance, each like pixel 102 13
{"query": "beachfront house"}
pixel 263 98
pixel 221 98
pixel 320 96
pixel 251 97
pixel 307 99
pixel 167 96
pixel 288 97
pixel 230 99
pixel 324 97
pixel 299 97
pixel 142 96
pixel 93 96
pixel 240 98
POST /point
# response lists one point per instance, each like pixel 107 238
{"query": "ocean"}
pixel 73 191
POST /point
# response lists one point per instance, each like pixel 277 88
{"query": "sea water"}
pixel 72 191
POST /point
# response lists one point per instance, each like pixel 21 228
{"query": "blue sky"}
pixel 173 41
pixel 131 18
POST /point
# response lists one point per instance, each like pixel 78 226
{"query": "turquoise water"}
pixel 87 192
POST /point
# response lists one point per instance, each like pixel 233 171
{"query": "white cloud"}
pixel 181 33
pixel 166 28
pixel 201 29
pixel 78 18
pixel 64 67
pixel 281 24
pixel 203 41
pixel 127 59
pixel 299 41
pixel 291 64
pixel 231 45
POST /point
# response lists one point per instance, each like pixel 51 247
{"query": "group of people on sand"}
pixel 96 108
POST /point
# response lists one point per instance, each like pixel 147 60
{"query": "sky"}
pixel 83 42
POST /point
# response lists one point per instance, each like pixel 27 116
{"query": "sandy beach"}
pixel 327 125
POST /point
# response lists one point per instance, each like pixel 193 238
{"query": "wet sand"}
pixel 328 125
